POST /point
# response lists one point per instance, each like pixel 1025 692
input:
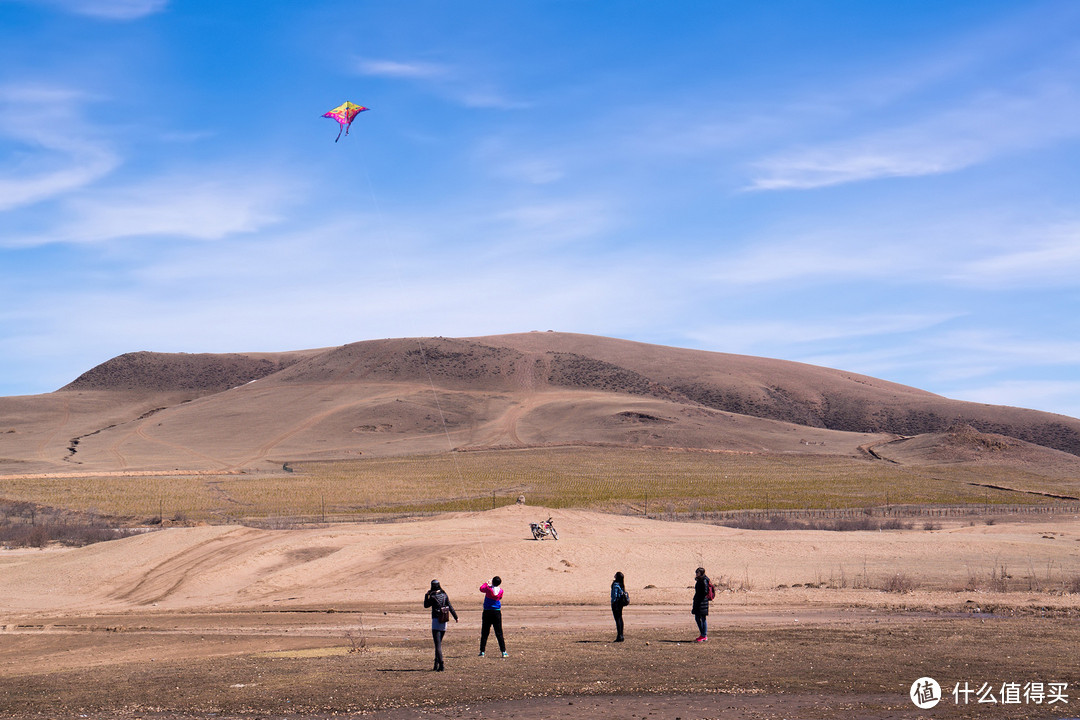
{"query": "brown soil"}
pixel 820 662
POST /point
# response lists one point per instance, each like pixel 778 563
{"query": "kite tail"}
pixel 338 134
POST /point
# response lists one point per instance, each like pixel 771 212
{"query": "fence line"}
pixel 892 511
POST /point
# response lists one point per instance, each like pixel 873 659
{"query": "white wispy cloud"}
pixel 534 170
pixel 199 208
pixel 542 226
pixel 1054 258
pixel 1010 109
pixel 811 257
pixel 399 69
pixel 767 337
pixel 947 140
pixel 449 81
pixel 50 162
pixel 1007 350
pixel 107 9
pixel 1057 396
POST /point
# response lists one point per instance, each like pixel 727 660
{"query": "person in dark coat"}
pixel 441 609
pixel 700 609
pixel 619 599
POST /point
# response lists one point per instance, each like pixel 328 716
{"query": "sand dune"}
pixel 229 567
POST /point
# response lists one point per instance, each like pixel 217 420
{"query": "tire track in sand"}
pixel 165 578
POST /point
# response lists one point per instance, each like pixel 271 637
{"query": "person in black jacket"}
pixel 441 610
pixel 619 599
pixel 700 609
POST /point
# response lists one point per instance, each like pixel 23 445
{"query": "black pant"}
pixel 491 619
pixel 437 636
pixel 616 610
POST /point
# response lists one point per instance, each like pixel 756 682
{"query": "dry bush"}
pixel 1072 585
pixel 999 580
pixel 357 640
pixel 25 524
pixel 783 522
pixel 73 534
pixel 899 583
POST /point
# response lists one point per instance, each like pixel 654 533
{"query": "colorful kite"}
pixel 344 114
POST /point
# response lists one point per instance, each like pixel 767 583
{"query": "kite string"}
pixel 427 373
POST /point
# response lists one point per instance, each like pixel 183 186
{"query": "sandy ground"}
pixel 228 567
pixel 327 622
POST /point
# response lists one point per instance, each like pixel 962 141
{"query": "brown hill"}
pixel 202 373
pixel 155 411
pixel 963 444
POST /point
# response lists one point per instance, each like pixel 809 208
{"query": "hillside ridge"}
pixel 403 396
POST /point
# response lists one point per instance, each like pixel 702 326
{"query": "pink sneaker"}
pixel 702 639
pixel 699 638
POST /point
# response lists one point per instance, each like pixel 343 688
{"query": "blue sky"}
pixel 886 188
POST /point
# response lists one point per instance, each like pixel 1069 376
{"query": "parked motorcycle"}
pixel 541 530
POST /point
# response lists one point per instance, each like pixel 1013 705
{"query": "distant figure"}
pixel 492 617
pixel 701 604
pixel 619 599
pixel 441 611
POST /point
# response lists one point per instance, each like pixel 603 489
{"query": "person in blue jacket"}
pixel 492 617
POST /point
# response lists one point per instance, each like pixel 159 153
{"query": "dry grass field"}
pixel 622 480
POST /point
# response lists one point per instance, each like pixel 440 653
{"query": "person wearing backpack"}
pixel 704 591
pixel 441 611
pixel 619 599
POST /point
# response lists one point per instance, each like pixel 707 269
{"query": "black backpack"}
pixel 443 607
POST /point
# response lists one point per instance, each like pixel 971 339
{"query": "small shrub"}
pixel 1072 585
pixel 899 583
pixel 357 640
pixel 999 580
pixel 895 524
pixel 38 536
pixel 851 525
